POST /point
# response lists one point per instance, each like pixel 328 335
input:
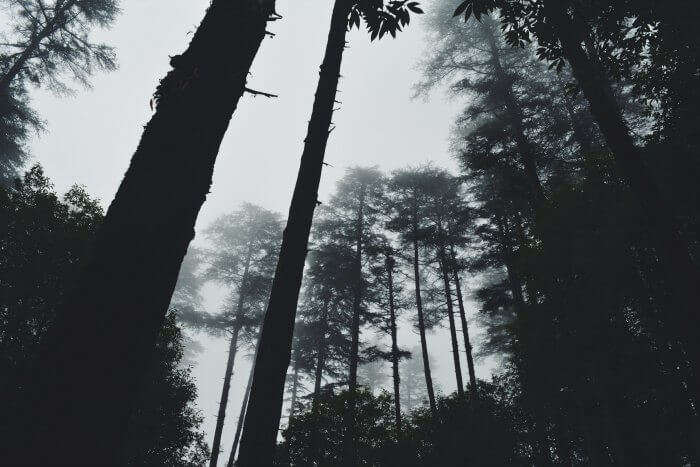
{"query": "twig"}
pixel 259 93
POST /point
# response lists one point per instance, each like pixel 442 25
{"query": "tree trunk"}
pixel 86 386
pixel 263 414
pixel 241 417
pixel 350 441
pixel 295 386
pixel 394 343
pixel 421 320
pixel 682 276
pixel 318 377
pixel 216 444
pixel 453 328
pixel 465 328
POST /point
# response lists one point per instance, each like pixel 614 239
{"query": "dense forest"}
pixel 556 258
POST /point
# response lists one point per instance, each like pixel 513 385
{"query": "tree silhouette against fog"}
pixel 244 247
pixel 271 364
pixel 87 396
pixel 47 41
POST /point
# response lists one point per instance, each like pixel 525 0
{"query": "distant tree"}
pixel 413 390
pixel 242 254
pixel 407 198
pixel 132 271
pixel 46 40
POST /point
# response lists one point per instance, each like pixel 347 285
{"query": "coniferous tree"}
pixel 46 41
pixel 244 247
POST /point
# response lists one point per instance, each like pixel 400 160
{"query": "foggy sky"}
pixel 92 135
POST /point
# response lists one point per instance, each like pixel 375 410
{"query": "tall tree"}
pixel 244 247
pixel 560 32
pixel 408 219
pixel 271 364
pixel 87 395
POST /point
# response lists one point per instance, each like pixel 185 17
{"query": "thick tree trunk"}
pixel 682 276
pixel 263 414
pixel 216 444
pixel 465 328
pixel 88 384
pixel 241 417
pixel 421 320
pixel 394 343
pixel 451 317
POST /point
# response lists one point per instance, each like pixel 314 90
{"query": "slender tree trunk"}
pixel 453 328
pixel 350 441
pixel 674 257
pixel 465 328
pixel 394 343
pixel 86 387
pixel 295 385
pixel 421 320
pixel 241 417
pixel 262 417
pixel 318 377
pixel 216 444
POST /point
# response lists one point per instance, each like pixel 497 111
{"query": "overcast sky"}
pixel 91 136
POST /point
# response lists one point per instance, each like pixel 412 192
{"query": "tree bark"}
pixel 86 386
pixel 465 328
pixel 453 328
pixel 263 414
pixel 394 344
pixel 421 320
pixel 216 444
pixel 674 257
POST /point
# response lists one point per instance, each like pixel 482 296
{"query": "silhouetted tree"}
pixel 133 267
pixel 271 364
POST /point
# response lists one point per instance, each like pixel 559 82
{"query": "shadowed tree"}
pixel 561 27
pixel 86 395
pixel 262 418
pixel 406 192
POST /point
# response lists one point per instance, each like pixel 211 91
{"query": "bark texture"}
pixel 88 384
pixel 274 352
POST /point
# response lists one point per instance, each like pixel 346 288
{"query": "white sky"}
pixel 91 136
